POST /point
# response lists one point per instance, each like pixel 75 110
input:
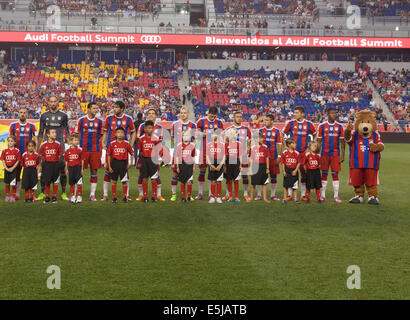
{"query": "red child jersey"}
pixel 206 126
pixel 290 159
pixel 10 156
pixel 312 161
pixel 73 156
pixel 259 153
pixel 119 150
pixel 185 152
pixel 215 150
pixel 149 147
pixel 51 151
pixel 233 151
pixel 30 160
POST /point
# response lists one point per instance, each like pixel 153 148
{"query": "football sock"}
pixel 213 187
pixel 236 185
pixel 335 178
pixel 63 181
pixel 259 191
pixel 80 190
pixel 7 190
pixel 93 184
pixel 128 188
pixel 189 190
pixel 245 181
pixel 218 189
pixel 318 194
pixel 145 189
pixel 114 190
pixel 201 180
pixel 72 191
pixel 183 191
pixel 106 184
pixel 209 186
pixel 47 188
pixel 229 187
pixel 26 194
pixel 302 189
pixel 174 183
pixel 18 188
pixel 140 187
pixel 324 183
pixel 125 190
pixel 55 189
pixel 13 191
pixel 154 186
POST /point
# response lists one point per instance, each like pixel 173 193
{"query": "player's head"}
pixel 184 114
pixel 332 114
pixel 139 116
pixel 291 144
pixel 149 127
pixel 52 103
pixel 51 133
pixel 314 147
pixel 11 141
pixel 31 146
pixel 260 138
pixel 187 135
pixel 152 114
pixel 299 113
pixel 120 133
pixel 237 118
pixel 268 120
pixel 212 113
pixel 119 108
pixel 92 109
pixel 23 114
pixel 74 140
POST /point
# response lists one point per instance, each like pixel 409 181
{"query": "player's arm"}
pixel 222 163
pixel 66 127
pixel 131 152
pixel 267 164
pixel 343 149
pixel 104 140
pixel 296 170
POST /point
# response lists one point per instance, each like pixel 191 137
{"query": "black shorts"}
pixel 149 169
pixel 313 179
pixel 50 173
pixel 214 175
pixel 186 172
pixel 74 175
pixel 233 171
pixel 260 178
pixel 290 181
pixel 30 178
pixel 10 177
pixel 120 170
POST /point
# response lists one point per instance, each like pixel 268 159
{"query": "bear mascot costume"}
pixel 364 159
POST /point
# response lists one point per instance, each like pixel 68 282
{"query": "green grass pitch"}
pixel 220 251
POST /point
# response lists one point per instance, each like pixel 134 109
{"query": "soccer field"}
pixel 212 251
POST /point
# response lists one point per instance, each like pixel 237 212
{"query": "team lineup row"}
pixel 232 155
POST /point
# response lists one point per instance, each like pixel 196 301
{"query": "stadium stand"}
pixel 383 8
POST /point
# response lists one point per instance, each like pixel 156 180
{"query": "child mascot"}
pixel 364 162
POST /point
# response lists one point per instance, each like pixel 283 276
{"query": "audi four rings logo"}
pixel 150 39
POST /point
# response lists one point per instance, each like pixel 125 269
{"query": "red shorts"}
pixel 92 160
pixel 273 167
pixel 358 177
pixel 332 162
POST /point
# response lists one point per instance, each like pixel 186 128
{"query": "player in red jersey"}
pixel 259 164
pixel 24 132
pixel 273 140
pixel 149 147
pixel 74 167
pixel 215 158
pixel 205 128
pixel 330 135
pixel 30 161
pixel 90 129
pixel 178 129
pixel 50 152
pixel 290 160
pixel 184 159
pixel 312 161
pixel 118 164
pixel 158 132
pixel 10 159
pixel 117 120
pixel 299 129
pixel 244 136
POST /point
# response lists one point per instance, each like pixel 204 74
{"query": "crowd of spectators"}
pixel 384 7
pixel 16 91
pixel 394 88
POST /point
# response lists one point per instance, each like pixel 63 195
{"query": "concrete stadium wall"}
pixel 273 64
pixel 389 66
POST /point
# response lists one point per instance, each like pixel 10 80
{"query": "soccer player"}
pixel 90 129
pixel 331 137
pixel 232 170
pixel 74 169
pixel 112 122
pixel 273 140
pixel 117 158
pixel 312 161
pixel 290 166
pixel 24 132
pixel 149 147
pixel 10 159
pixel 51 152
pixel 157 132
pixel 259 164
pixel 205 128
pixel 184 160
pixel 58 120
pixel 178 129
pixel 299 130
pixel 31 163
pixel 244 135
pixel 215 158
